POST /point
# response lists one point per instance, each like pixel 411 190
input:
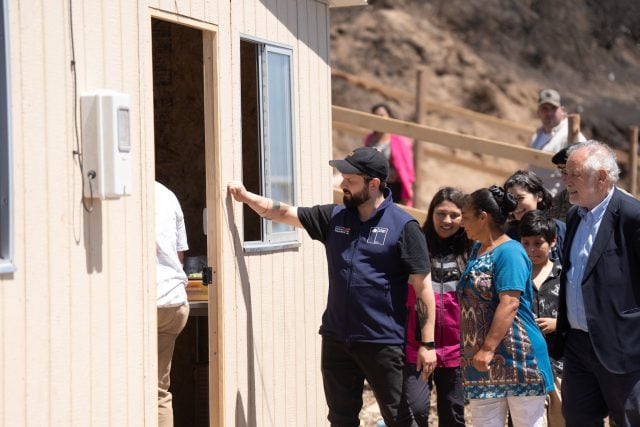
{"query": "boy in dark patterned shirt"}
pixel 538 237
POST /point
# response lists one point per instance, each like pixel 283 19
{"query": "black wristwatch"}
pixel 429 345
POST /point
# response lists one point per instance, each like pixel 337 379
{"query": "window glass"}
pixel 6 231
pixel 268 147
pixel 279 128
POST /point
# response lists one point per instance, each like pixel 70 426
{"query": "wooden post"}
pixel 633 159
pixel 574 128
pixel 421 88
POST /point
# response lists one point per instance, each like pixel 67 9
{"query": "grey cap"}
pixel 549 96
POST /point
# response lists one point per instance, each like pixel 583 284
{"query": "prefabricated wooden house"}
pixel 97 100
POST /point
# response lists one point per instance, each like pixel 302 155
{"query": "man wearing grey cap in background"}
pixel 373 250
pixel 551 136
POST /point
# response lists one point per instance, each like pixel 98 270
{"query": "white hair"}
pixel 599 157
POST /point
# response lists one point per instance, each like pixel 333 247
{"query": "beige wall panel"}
pixel 196 8
pixel 272 315
pixel 320 173
pixel 293 384
pixel 262 13
pixel 202 10
pixel 57 215
pixel 118 238
pixel 166 5
pixel 289 262
pixel 101 66
pixel 268 352
pixel 144 341
pixel 89 45
pixel 211 11
pixel 13 291
pixel 181 7
pixel 291 11
pixel 138 272
pixel 305 296
pixel 236 359
pixel 86 235
pixel 78 318
pixel 35 271
pixel 271 18
pixel 305 377
pixel 73 314
pixel 246 10
pixel 265 379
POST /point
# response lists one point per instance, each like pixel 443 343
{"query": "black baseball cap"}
pixel 364 161
pixel 560 158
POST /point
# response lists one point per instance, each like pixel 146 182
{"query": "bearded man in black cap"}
pixel 373 250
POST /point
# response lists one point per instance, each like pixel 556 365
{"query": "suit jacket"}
pixel 610 285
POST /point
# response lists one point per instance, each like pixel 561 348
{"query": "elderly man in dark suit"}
pixel 599 313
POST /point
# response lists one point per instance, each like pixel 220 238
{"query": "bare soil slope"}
pixel 491 56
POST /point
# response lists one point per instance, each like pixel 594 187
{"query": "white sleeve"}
pixel 181 230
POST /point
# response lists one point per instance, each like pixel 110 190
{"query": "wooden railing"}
pixel 352 120
pixel 403 96
pixel 499 168
pixel 441 137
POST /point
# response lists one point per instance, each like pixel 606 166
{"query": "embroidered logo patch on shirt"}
pixel 342 230
pixel 377 235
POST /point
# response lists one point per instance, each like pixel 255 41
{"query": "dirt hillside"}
pixel 492 57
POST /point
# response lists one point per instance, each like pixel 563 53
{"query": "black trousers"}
pixel 345 366
pixel 450 401
pixel 590 392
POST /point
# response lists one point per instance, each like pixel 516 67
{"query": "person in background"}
pixel 504 361
pixel 173 307
pixel 448 249
pixel 398 151
pixel 598 326
pixel 538 237
pixel 373 250
pixel 551 136
pixel 528 190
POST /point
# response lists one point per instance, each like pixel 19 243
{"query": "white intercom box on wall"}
pixel 106 144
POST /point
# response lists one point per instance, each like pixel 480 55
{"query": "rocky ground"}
pixel 370 414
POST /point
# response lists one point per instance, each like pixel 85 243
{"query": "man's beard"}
pixel 352 200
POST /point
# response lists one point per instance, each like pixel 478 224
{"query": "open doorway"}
pixel 182 100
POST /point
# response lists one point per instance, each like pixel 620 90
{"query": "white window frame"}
pixel 6 191
pixel 273 240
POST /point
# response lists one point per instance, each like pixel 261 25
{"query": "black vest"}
pixel 367 279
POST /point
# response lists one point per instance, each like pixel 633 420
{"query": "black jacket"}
pixel 610 285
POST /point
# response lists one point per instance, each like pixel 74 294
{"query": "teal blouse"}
pixel 521 365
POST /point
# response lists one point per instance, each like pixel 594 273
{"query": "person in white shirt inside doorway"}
pixel 173 307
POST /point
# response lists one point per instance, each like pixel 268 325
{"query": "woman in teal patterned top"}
pixel 504 361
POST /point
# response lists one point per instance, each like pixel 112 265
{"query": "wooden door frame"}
pixel 214 203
